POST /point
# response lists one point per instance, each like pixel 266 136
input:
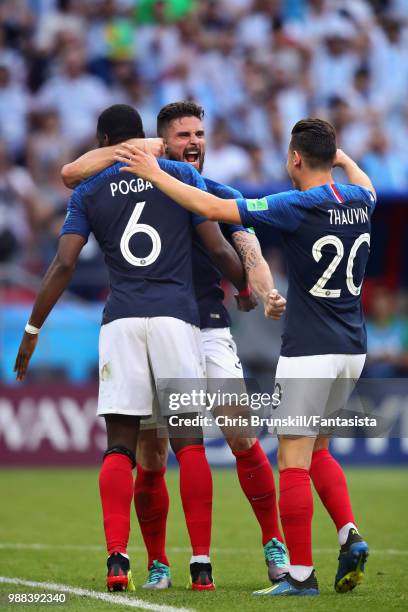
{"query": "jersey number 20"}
pixel 132 228
pixel 318 289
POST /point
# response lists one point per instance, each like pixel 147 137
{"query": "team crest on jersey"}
pixel 258 204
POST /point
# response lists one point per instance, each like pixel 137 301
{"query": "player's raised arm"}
pixel 53 285
pixel 354 173
pixel 144 164
pixel 97 160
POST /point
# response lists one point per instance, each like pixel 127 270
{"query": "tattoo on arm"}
pixel 248 248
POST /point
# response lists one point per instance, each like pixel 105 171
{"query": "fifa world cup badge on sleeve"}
pixel 257 204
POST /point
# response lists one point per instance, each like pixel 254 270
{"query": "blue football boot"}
pixel 352 559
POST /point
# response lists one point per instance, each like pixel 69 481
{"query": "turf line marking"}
pixel 131 602
pixel 176 549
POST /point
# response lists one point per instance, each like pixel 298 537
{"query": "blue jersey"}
pixel 146 239
pixel 206 275
pixel 326 237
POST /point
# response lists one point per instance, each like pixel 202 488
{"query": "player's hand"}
pixel 246 304
pixel 341 159
pixel 27 347
pixel 155 146
pixel 275 305
pixel 141 163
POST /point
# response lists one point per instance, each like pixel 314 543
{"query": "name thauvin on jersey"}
pixel 348 216
pixel 134 185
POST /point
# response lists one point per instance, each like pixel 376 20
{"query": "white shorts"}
pixel 314 385
pixel 220 353
pixel 221 362
pixel 223 366
pixel 135 353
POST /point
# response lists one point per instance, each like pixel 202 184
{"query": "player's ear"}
pixel 296 159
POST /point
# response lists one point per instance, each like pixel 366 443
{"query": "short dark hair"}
pixel 315 139
pixel 177 110
pixel 119 122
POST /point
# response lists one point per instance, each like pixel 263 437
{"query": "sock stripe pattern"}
pixel 258 484
pixel 296 512
pixel 196 491
pixel 330 483
pixel 116 491
pixel 151 500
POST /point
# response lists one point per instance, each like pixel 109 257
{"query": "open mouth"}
pixel 192 157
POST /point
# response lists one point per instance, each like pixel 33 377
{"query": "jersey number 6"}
pixel 132 228
pixel 318 289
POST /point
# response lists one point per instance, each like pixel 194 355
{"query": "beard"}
pixel 170 154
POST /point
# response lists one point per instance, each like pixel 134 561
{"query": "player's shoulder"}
pixel 93 182
pixel 311 197
pixel 350 191
pixel 222 191
pixel 298 199
pixel 341 192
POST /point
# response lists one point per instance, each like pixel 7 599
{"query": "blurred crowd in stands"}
pixel 257 66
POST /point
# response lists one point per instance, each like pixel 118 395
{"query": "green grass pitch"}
pixel 59 510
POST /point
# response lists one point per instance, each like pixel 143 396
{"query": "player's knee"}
pixel 321 443
pixel 153 456
pixel 239 445
pixel 285 463
pixel 177 444
pixel 122 431
pixel 183 432
pixel 295 452
pixel 299 460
